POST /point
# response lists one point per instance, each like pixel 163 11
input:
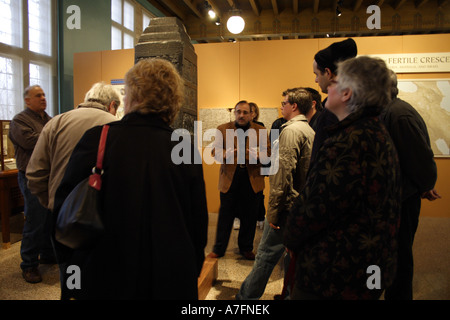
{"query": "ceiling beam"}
pixel 357 5
pixel 255 7
pixel 334 5
pixel 275 7
pixel 160 8
pixel 193 8
pixel 232 4
pixel 295 6
pixel 316 6
pixel 174 8
pixel 398 3
pixel 419 3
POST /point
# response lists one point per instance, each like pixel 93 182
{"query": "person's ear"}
pixel 329 74
pixel 346 94
pixel 112 108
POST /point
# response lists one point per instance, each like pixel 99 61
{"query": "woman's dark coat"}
pixel 154 212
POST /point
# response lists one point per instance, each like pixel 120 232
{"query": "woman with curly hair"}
pixel 154 211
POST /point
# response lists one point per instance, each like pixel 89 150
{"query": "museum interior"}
pixel 66 46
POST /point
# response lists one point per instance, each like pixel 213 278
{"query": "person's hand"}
pixel 229 154
pixel 431 195
pixel 253 154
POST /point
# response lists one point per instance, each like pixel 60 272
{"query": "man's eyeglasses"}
pixel 283 103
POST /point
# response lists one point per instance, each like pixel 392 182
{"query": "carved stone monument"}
pixel 166 38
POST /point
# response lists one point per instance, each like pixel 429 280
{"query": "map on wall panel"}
pixel 431 98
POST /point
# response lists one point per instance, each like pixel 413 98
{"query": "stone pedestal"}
pixel 166 38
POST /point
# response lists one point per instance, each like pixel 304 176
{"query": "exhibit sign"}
pixel 417 62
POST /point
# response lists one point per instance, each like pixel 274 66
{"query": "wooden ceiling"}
pixel 293 19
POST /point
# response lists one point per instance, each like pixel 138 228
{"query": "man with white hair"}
pixel 60 136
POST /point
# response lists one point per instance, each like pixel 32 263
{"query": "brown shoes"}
pixel 32 275
pixel 213 255
pixel 249 255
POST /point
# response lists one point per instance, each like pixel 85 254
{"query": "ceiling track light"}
pixel 339 4
pixel 210 11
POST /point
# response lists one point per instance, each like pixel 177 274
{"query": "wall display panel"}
pixel 431 98
pixel 213 117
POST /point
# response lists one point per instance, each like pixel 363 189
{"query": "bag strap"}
pixel 289 278
pixel 95 180
pixel 101 147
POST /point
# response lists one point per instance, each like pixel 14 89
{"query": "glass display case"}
pixel 8 162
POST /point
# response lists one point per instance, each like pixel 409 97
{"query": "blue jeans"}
pixel 36 229
pixel 270 250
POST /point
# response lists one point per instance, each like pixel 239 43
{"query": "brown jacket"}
pixel 228 169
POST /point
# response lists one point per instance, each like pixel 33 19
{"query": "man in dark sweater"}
pixel 324 67
pixel 25 129
pixel 419 173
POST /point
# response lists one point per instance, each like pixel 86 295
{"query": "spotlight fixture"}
pixel 339 4
pixel 235 23
pixel 208 9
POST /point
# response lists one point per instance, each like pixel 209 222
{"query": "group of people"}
pixel 346 194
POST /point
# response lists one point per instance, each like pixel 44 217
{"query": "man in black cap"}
pixel 324 67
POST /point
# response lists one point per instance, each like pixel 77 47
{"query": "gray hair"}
pixel 369 80
pixel 394 83
pixel 104 94
pixel 29 88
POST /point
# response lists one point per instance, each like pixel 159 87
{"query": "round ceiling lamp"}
pixel 235 24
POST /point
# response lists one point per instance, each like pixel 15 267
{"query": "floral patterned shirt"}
pixel 346 218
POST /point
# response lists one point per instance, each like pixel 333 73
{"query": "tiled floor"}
pixel 431 282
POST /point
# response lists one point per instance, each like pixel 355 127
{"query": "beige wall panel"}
pixel 116 63
pixel 218 75
pixel 270 67
pixel 87 71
